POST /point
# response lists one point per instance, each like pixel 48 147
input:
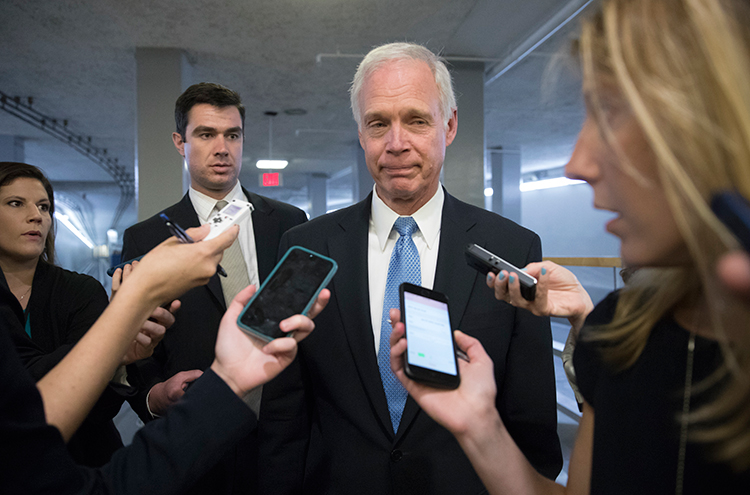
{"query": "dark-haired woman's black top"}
pixel 62 307
pixel 636 422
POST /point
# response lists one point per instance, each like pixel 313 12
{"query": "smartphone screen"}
pixel 430 354
pixel 291 289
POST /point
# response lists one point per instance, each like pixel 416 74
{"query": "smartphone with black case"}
pixel 734 210
pixel 431 351
pixel 484 261
pixel 290 289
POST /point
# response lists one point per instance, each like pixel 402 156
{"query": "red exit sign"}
pixel 271 179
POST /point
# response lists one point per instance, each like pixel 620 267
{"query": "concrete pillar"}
pixel 159 169
pixel 318 194
pixel 362 180
pixel 463 170
pixel 11 149
pixel 506 178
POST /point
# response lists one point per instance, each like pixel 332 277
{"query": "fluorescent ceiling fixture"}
pixel 488 191
pixel 548 183
pixel 272 164
pixel 66 221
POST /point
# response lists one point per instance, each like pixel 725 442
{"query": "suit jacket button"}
pixel 396 455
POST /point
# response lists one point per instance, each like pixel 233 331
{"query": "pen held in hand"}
pixel 183 237
pixel 462 355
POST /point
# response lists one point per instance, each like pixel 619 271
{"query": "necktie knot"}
pixel 405 226
pixel 220 205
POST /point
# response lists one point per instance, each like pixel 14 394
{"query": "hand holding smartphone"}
pixel 734 211
pixel 484 261
pixel 431 351
pixel 290 289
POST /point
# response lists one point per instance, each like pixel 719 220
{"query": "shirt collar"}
pixel 428 218
pixel 204 205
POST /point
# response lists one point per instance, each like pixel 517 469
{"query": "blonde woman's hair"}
pixel 683 68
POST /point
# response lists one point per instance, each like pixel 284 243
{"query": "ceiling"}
pixel 76 59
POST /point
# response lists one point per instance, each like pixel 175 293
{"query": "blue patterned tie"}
pixel 404 267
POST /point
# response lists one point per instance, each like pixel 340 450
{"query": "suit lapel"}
pixel 185 216
pixel 452 276
pixel 350 249
pixel 265 227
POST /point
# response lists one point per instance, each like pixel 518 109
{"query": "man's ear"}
pixel 179 143
pixel 451 127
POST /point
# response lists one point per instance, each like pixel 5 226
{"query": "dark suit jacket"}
pixel 324 425
pixel 165 457
pixel 190 343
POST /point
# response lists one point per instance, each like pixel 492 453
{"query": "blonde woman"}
pixel 663 364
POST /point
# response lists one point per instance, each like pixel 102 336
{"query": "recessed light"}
pixel 272 164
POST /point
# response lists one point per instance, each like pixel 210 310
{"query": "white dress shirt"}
pixel 380 241
pixel 204 207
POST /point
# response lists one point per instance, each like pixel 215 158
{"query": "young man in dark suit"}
pixel 334 422
pixel 210 121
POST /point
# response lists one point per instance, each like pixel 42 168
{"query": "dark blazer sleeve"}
pixel 168 456
pixel 165 457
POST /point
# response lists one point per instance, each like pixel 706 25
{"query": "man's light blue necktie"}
pixel 404 267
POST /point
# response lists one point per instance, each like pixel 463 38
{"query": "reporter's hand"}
pixel 153 330
pixel 164 394
pixel 558 292
pixel 245 362
pixel 469 406
pixel 171 268
pixel 151 333
pixel 734 272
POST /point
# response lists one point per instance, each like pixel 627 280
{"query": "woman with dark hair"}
pixel 59 306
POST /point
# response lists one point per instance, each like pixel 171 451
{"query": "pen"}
pixel 462 355
pixel 183 236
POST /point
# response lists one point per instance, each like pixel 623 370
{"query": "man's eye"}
pixel 44 207
pixel 14 203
